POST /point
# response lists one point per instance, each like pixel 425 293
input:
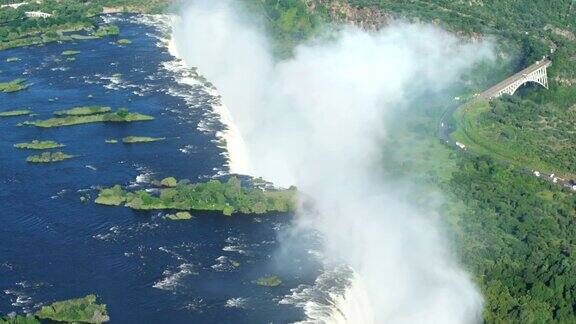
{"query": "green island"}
pixel 49 157
pixel 81 310
pixel 13 86
pixel 141 139
pixel 272 281
pixel 83 111
pixel 39 145
pixel 70 53
pixel 123 41
pixel 14 113
pixel 120 116
pixel 227 197
pixel 179 216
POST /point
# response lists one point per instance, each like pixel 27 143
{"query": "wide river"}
pixel 145 268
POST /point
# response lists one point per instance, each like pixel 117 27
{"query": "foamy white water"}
pixel 337 296
pixel 229 138
pixel 234 143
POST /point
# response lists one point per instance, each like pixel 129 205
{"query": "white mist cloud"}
pixel 317 121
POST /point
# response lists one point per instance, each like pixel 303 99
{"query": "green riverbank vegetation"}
pixel 39 145
pixel 103 31
pixel 169 182
pixel 69 20
pixel 49 157
pixel 289 22
pixel 227 197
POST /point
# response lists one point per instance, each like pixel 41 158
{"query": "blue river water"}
pixel 145 268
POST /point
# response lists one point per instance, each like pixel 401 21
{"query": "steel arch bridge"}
pixel 536 73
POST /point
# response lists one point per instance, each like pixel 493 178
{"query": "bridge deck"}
pixel 502 85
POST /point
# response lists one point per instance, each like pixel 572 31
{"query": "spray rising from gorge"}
pixel 317 121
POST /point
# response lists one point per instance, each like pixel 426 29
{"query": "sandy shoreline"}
pixel 236 148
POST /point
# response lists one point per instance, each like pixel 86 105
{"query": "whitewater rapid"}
pixel 231 136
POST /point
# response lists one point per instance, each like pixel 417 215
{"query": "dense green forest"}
pixel 517 236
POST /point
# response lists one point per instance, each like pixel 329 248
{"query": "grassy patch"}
pixel 107 31
pixel 14 113
pixel 141 139
pixel 83 111
pixel 48 157
pixel 179 216
pixel 70 53
pixel 111 117
pixel 13 86
pixel 519 133
pixel 124 41
pixel 227 197
pixel 38 145
pixel 114 196
pixel 81 310
pixel 170 182
pixel 272 281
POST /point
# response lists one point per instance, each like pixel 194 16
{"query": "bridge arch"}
pixel 536 73
pixel 513 90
